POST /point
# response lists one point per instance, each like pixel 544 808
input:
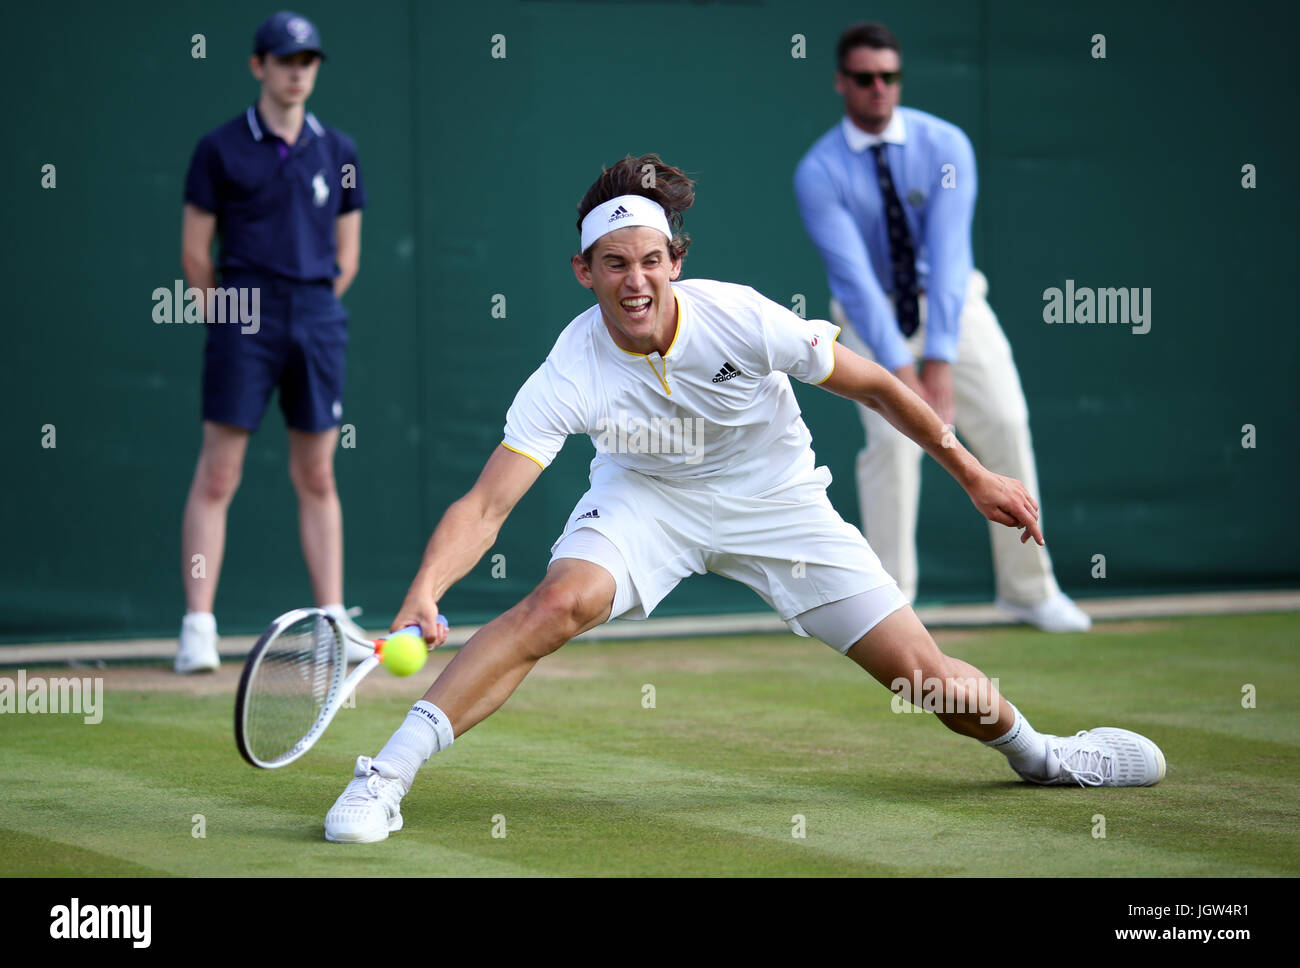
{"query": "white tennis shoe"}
pixel 197 651
pixel 368 810
pixel 1101 757
pixel 1055 614
pixel 355 652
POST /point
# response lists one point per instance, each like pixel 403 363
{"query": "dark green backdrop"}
pixel 1117 172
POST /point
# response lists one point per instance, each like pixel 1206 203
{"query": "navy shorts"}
pixel 296 340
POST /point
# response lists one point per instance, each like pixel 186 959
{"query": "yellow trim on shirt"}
pixel 676 333
pixel 521 453
pixel 832 372
pixel 663 378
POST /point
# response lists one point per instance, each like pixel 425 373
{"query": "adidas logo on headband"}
pixel 625 211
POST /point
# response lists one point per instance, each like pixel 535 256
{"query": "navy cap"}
pixel 286 33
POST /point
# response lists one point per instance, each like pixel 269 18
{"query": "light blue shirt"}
pixel 933 168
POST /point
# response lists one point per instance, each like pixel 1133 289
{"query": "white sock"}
pixel 1022 745
pixel 336 609
pixel 425 731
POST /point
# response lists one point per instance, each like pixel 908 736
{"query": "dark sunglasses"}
pixel 868 78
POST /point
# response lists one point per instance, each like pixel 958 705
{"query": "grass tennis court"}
pixel 745 734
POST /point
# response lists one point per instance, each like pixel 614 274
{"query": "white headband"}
pixel 620 213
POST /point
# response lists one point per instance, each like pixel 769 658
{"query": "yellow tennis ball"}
pixel 404 654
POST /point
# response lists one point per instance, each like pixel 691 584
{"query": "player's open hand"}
pixel 425 615
pixel 1006 501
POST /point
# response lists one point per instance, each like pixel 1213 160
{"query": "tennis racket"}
pixel 295 681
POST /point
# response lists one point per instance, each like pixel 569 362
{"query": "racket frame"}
pixel 342 684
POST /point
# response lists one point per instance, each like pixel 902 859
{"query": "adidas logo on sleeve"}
pixel 728 372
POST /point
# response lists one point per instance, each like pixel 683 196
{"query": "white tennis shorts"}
pixel 790 546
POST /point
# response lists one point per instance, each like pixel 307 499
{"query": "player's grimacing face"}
pixel 288 80
pixel 630 273
pixel 872 106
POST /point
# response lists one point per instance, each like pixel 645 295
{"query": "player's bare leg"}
pixel 320 516
pixel 576 595
pixel 203 542
pixel 900 648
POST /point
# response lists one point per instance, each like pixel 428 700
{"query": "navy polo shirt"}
pixel 276 203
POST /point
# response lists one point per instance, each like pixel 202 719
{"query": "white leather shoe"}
pixel 197 650
pixel 369 809
pixel 1101 757
pixel 1055 614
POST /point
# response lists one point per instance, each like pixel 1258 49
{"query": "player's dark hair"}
pixel 873 35
pixel 650 176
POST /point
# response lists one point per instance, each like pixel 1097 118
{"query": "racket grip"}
pixel 416 630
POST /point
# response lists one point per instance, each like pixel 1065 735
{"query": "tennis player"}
pixel 285 193
pixel 703 464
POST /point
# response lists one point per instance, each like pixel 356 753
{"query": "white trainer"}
pixel 197 651
pixel 1055 614
pixel 355 652
pixel 368 810
pixel 1105 756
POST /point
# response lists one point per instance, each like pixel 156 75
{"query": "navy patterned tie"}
pixel 901 252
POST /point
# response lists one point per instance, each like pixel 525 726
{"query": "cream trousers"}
pixel 993 421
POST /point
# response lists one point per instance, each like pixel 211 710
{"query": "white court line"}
pixel 934 616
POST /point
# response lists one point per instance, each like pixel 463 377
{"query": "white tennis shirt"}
pixel 716 412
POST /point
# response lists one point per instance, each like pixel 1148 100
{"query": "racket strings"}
pixel 300 672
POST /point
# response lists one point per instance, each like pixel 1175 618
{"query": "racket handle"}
pixel 416 630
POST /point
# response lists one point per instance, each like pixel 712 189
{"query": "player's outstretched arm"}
pixel 998 498
pixel 467 530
